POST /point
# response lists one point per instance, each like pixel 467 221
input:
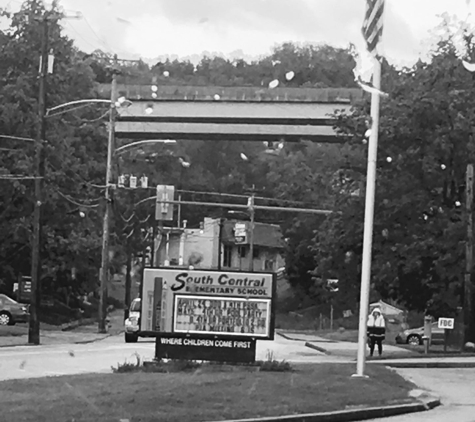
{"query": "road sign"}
pixel 240 233
pixel 207 314
pixel 164 210
pixel 446 323
pixel 204 347
pixel 24 290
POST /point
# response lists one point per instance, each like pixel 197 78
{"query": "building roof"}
pixel 265 235
pixel 386 308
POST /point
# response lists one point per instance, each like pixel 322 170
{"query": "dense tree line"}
pixel 76 150
pixel 425 129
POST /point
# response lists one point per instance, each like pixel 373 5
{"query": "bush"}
pixel 159 366
pixel 273 365
pixel 175 365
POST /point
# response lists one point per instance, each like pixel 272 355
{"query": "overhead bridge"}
pixel 229 113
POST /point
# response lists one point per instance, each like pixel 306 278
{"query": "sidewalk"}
pixel 82 334
pixel 393 356
pixel 341 348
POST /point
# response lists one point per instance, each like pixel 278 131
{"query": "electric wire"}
pixel 95 46
pixel 74 202
pixel 97 119
pixel 17 138
pixel 83 180
pixel 103 42
pixel 13 177
pixel 80 199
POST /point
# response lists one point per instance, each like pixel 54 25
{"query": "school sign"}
pixel 207 314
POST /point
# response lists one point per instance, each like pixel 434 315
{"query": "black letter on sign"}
pixel 181 283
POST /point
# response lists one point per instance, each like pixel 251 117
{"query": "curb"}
pixel 95 340
pixel 426 365
pixel 297 339
pixel 403 364
pixel 17 345
pixel 351 415
pixel 317 348
pixel 77 323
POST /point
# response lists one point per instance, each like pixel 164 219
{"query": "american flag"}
pixel 373 24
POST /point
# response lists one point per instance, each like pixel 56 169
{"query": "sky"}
pixel 152 29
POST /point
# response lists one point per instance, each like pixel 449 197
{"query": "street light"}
pixel 113 104
pixel 123 148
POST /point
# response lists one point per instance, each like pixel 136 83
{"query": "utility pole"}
pixel 108 210
pixel 128 280
pixel 467 291
pixel 34 323
pixel 220 242
pixel 251 231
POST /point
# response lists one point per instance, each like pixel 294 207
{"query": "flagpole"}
pixel 368 221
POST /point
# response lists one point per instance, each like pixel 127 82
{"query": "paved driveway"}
pixel 455 387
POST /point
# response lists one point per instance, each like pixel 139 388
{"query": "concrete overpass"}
pixel 230 113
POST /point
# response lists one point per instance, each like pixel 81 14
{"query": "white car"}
pixel 132 327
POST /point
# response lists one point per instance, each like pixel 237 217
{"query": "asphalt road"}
pixel 456 389
pixel 67 359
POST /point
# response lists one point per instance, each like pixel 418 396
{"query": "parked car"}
pixel 414 336
pixel 12 312
pixel 132 322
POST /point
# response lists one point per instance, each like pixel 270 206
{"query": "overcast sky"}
pixel 154 28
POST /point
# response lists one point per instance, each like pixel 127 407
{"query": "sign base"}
pixel 205 347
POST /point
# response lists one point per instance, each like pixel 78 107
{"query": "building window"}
pixel 255 253
pixel 269 265
pixel 227 254
pixel 242 250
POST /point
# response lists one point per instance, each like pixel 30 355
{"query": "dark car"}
pixel 11 311
pixel 414 336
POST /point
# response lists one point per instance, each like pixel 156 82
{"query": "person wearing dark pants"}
pixel 376 330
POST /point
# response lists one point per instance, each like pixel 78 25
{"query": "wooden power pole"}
pixel 467 290
pixel 252 211
pixel 104 273
pixel 34 323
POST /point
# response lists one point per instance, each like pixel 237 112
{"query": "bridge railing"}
pixel 238 94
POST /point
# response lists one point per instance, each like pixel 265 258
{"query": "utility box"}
pixel 164 210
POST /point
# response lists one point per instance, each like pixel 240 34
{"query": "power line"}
pixel 84 39
pixel 103 42
pixel 74 202
pixel 83 180
pixel 17 138
pixel 97 119
pixel 14 177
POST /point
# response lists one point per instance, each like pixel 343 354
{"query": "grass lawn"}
pixel 207 394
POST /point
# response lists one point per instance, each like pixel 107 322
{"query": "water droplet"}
pixel 290 75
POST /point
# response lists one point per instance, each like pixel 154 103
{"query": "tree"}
pixel 425 145
pixel 75 154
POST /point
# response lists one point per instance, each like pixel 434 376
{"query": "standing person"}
pixel 376 329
